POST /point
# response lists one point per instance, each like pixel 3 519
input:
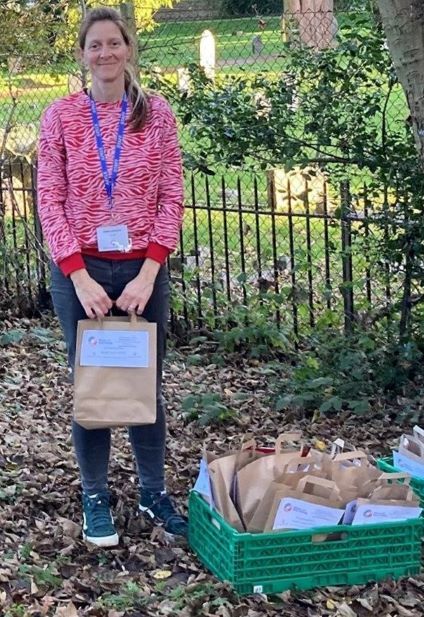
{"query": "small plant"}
pixel 44 577
pixel 205 408
pixel 25 551
pixel 16 610
pixel 130 597
pixel 183 597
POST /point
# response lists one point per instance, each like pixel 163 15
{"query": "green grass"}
pixel 175 44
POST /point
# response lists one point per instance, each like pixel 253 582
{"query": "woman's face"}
pixel 105 52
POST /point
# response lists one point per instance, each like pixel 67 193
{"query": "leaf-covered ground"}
pixel 46 570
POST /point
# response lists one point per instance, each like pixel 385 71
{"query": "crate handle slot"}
pixel 329 537
pixel 214 522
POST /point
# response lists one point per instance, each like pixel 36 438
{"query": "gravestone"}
pixel 298 187
pixel 257 45
pixel 15 65
pixel 208 53
pixel 184 82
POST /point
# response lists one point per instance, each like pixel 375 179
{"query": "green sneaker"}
pixel 159 510
pixel 98 527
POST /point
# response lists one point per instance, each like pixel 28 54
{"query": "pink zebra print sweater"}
pixel 72 200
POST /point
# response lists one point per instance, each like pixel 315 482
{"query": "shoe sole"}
pixel 103 541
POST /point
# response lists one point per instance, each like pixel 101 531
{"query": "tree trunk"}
pixel 128 14
pixel 313 20
pixel 403 23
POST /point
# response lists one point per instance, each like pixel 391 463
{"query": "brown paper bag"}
pixel 222 470
pixel 353 469
pixel 311 490
pixel 253 480
pixel 387 492
pixel 412 447
pixel 294 471
pixel 108 396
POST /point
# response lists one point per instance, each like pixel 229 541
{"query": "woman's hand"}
pixel 92 296
pixel 137 292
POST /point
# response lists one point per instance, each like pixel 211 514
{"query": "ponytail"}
pixel 139 101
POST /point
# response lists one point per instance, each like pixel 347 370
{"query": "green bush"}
pixel 337 372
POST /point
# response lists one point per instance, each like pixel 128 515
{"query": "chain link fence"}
pixel 282 216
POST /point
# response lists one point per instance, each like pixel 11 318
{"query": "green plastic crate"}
pixel 386 464
pixel 273 562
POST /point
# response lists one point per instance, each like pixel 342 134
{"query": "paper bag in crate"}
pixel 294 470
pixel 315 502
pixel 389 501
pixel 353 471
pixel 222 471
pixel 115 372
pixel 410 457
pixel 253 480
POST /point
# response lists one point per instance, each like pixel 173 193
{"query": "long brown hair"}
pixel 138 98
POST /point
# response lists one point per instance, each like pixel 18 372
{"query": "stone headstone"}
pixel 15 65
pixel 298 186
pixel 257 45
pixel 184 82
pixel 208 53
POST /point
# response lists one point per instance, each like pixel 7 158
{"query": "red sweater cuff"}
pixel 157 252
pixel 71 264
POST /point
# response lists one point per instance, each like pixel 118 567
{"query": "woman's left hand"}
pixel 137 292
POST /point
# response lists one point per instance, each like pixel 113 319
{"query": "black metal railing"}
pixel 240 245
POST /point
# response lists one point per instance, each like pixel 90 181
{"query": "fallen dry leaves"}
pixel 47 571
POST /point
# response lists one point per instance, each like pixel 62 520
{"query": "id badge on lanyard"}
pixel 111 237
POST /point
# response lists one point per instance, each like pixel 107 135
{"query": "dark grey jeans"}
pixel 92 447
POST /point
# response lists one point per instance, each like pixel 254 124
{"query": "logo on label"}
pixel 93 341
pixel 288 507
pixel 368 513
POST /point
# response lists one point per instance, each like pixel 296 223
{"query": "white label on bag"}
pixel 349 513
pixel 115 348
pixel 203 483
pixel 368 514
pixel 404 463
pixel 298 514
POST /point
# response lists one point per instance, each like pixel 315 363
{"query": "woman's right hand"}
pixel 92 296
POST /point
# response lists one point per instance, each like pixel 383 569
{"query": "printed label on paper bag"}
pixel 404 463
pixel 115 348
pixel 418 432
pixel 368 514
pixel 298 514
pixel 203 483
pixel 349 513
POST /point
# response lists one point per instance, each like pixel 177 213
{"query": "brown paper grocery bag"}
pixel 110 396
pixel 222 470
pixel 294 471
pixel 254 479
pixel 310 490
pixel 412 447
pixel 378 507
pixel 353 469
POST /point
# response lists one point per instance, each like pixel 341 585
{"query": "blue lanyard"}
pixel 109 180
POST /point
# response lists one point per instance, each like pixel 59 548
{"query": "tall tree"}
pixel 403 23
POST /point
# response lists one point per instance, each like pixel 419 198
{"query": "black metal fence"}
pixel 300 256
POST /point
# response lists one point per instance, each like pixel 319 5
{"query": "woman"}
pixel 110 196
